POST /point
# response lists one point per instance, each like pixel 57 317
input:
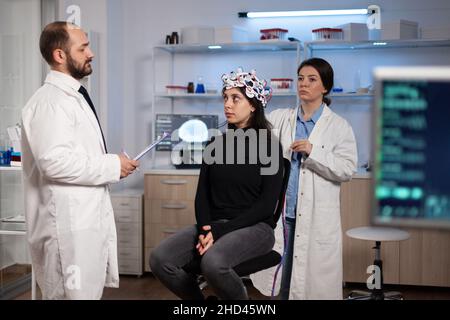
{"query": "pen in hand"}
pixel 126 154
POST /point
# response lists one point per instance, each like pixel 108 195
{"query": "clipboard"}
pixel 151 146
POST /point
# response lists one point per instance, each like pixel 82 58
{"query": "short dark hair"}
pixel 54 36
pixel 326 74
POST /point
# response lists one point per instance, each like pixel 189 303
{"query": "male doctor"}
pixel 67 172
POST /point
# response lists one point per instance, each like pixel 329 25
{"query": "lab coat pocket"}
pixel 326 227
pixel 84 211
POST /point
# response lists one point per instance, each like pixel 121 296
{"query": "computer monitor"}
pixel 192 129
pixel 411 183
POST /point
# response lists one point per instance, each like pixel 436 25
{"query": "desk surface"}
pixel 195 172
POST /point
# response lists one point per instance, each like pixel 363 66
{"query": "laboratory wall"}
pixel 130 29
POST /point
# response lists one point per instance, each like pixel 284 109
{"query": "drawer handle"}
pixel 174 182
pixel 125 254
pixel 174 206
pixel 170 231
pixel 125 204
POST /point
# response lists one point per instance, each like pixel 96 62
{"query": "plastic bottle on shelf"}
pixel 190 87
pixel 337 88
pixel 2 150
pixel 200 86
pixel 174 38
pixel 5 156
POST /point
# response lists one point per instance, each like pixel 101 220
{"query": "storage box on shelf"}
pixel 327 34
pixel 273 34
pixel 230 35
pixel 401 29
pixel 279 85
pixel 355 32
pixel 197 35
pixel 169 205
pixel 128 213
pixel 174 89
pixel 435 32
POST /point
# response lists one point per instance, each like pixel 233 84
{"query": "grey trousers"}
pixel 168 259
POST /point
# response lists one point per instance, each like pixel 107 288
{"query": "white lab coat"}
pixel 317 256
pixel 70 223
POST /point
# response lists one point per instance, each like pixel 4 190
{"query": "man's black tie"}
pixel 85 94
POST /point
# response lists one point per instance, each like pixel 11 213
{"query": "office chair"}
pixel 259 263
pixel 378 235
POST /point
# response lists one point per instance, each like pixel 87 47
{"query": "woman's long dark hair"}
pixel 326 74
pixel 257 119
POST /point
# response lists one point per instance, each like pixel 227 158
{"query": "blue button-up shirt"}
pixel 302 132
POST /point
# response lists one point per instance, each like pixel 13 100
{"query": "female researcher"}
pixel 322 149
pixel 234 203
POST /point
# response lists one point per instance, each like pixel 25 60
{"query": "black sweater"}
pixel 237 192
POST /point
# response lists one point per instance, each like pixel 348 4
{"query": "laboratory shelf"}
pixel 12 233
pixel 10 168
pixel 233 47
pixel 352 95
pixel 376 44
pixel 214 95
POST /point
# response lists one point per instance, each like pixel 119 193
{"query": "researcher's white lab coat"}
pixel 70 223
pixel 317 256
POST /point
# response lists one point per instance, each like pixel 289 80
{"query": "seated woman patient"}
pixel 239 184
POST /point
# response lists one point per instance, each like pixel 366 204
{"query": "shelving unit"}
pixel 255 48
pixel 26 279
pixel 213 95
pixel 310 47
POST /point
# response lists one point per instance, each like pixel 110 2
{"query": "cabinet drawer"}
pixel 128 253
pixel 125 203
pixel 129 266
pixel 170 187
pixel 127 216
pixel 128 240
pixel 132 229
pixel 171 212
pixel 156 232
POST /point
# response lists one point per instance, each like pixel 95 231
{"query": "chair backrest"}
pixel 280 204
